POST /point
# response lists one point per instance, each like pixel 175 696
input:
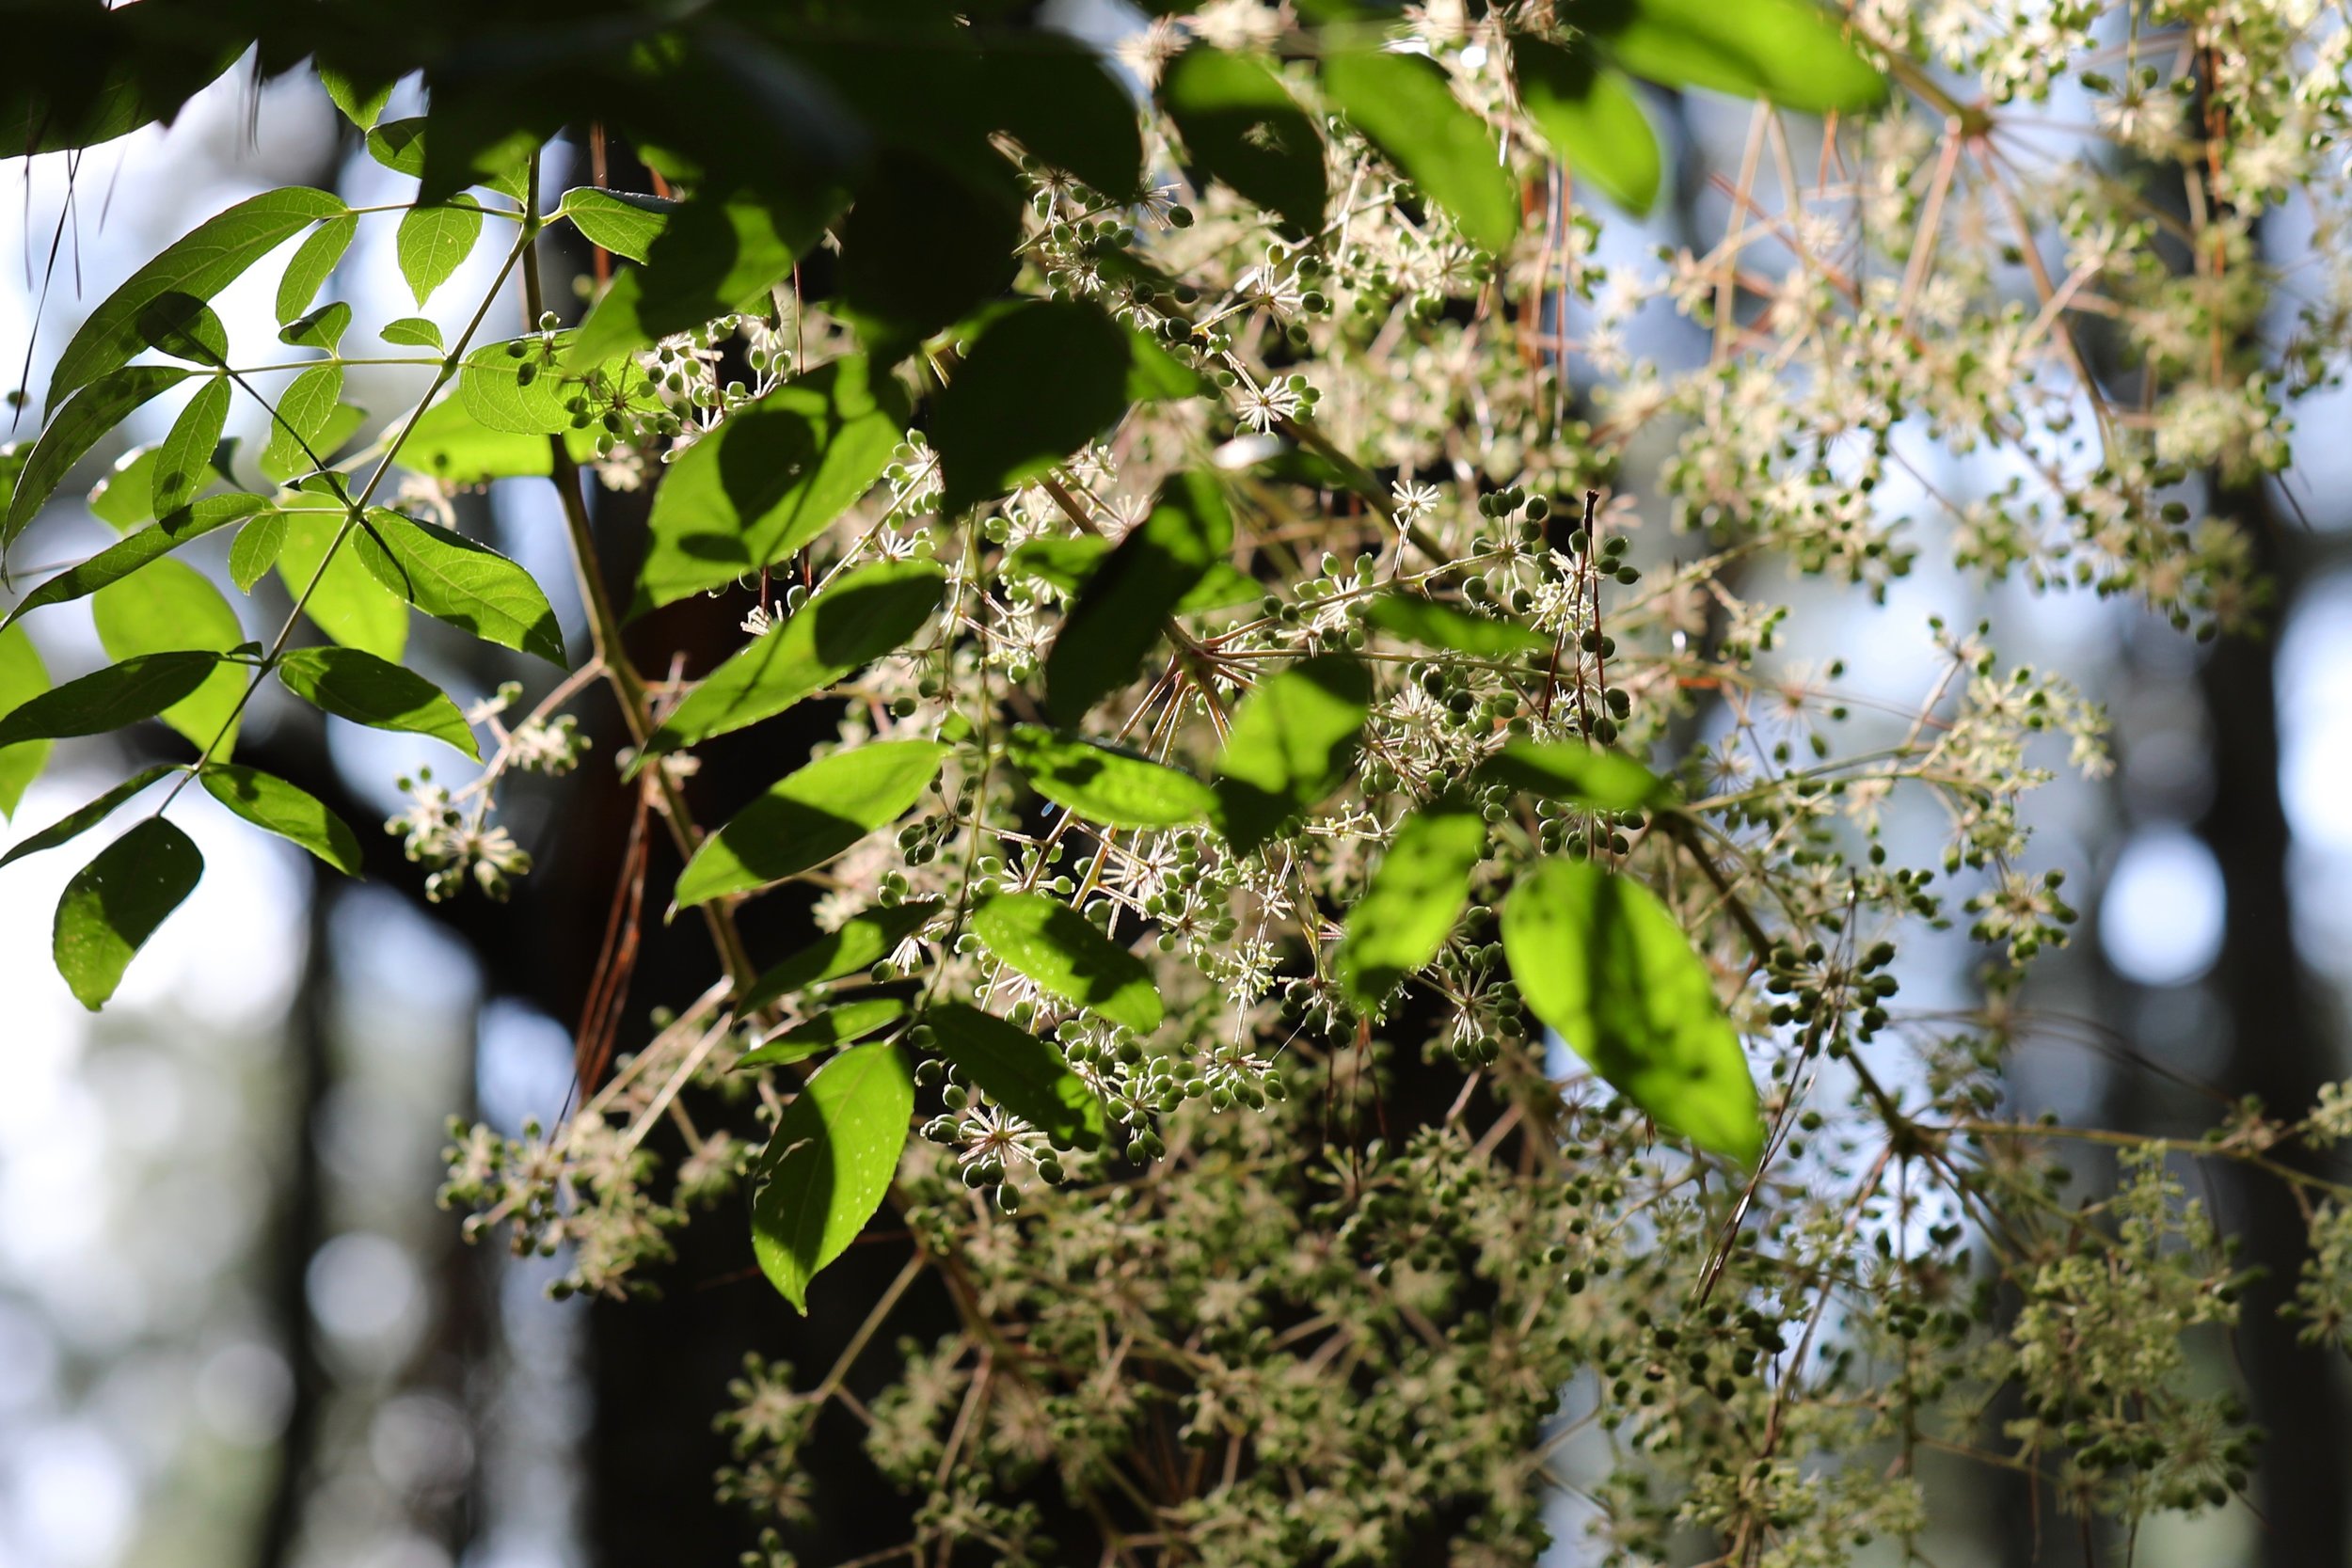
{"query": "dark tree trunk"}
pixel 2279 1052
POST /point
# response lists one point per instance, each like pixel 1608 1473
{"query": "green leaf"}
pixel 1789 50
pixel 1155 375
pixel 184 328
pixel 1065 954
pixel 126 497
pixel 399 145
pixel 322 328
pixel 621 222
pixel 136 549
pixel 1041 380
pixel 200 265
pixel 1121 613
pixel 771 479
pixel 75 823
pixel 21 678
pixel 1576 774
pixel 1599 958
pixel 348 605
pixel 1592 118
pixel 836 1027
pixel 1242 126
pixel 1292 742
pixel 1412 904
pixel 167 606
pixel 89 417
pixel 1105 784
pixel 829 1164
pixel 923 246
pixel 1443 626
pixel 412 332
pixel 271 803
pixel 362 107
pixel 808 817
pixel 109 699
pixel 1404 105
pixel 861 942
pixel 183 464
pixel 518 387
pixel 452 578
pixel 114 904
pixel 434 242
pixel 865 614
pixel 454 446
pixel 294 445
pixel 1021 1072
pixel 314 261
pixel 256 550
pixel 711 258
pixel 368 690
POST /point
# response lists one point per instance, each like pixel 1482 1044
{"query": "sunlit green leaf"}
pixel 1443 626
pixel 1121 610
pixel 90 416
pixel 454 446
pixel 1041 380
pixel 361 106
pixel 183 464
pixel 314 261
pixel 1117 788
pixel 1592 118
pixel 434 241
pixel 621 222
pixel 412 332
pixel 516 386
pixel 1789 50
pixel 1405 107
pixel 114 904
pixel 322 328
pixel 861 942
pixel 863 615
pixel 198 265
pixel 1414 899
pixel 137 548
pixel 295 444
pixel 74 823
pixel 770 480
pixel 1021 1072
pixel 184 328
pixel 108 698
pixel 1241 124
pixel 368 690
pixel 348 604
pixel 165 606
pixel 834 1026
pixel 271 803
pixel 1576 774
pixel 829 1164
pixel 713 256
pixel 808 817
pixel 452 578
pixel 256 548
pixel 1067 955
pixel 1292 741
pixel 1598 958
pixel 126 497
pixel 21 678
